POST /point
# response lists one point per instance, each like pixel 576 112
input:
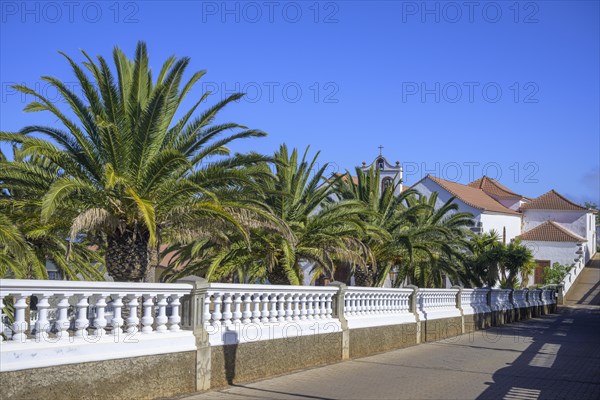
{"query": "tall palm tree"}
pixel 385 212
pixel 132 170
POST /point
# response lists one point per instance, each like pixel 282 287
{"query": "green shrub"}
pixel 555 274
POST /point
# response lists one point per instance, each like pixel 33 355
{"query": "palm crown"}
pixel 125 163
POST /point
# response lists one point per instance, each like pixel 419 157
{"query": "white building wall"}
pixel 513 204
pixel 560 252
pixel 499 222
pixel 581 223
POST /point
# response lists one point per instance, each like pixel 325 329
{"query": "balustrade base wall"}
pixel 477 322
pixel 368 341
pixel 146 377
pixel 251 361
pixel 441 328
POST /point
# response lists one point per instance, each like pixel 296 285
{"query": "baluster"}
pixel 42 325
pixel 100 320
pixel 288 307
pixel 309 303
pixel 161 314
pixel 273 312
pixel 296 308
pixel 237 308
pixel 349 304
pixel 317 305
pixel 206 317
pixel 147 319
pixel 216 315
pixel 132 320
pixel 175 318
pixel 1 317
pixel 369 303
pixel 303 309
pixel 265 308
pixel 322 306
pixel 281 307
pixel 82 322
pixel 117 320
pixel 328 309
pixel 63 323
pixel 247 314
pixel 256 308
pixel 20 325
pixel 227 309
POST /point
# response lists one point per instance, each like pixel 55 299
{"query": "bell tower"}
pixel 388 174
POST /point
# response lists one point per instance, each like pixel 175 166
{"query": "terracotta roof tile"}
pixel 552 201
pixel 494 189
pixel 550 231
pixel 473 197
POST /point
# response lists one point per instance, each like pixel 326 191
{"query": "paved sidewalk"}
pixel 553 357
pixel 586 289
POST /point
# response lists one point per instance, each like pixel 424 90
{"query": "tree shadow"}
pixel 561 361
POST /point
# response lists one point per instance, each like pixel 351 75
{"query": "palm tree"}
pixel 386 213
pixel 438 240
pixel 133 172
pixel 26 242
pixel 482 266
pixel 314 228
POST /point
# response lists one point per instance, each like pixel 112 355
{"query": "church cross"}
pixel 380 149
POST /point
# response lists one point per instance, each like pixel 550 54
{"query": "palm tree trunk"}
pixel 277 276
pixel 127 255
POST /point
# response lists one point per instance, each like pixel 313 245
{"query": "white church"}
pixel 552 226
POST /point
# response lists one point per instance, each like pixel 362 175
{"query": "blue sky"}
pixel 503 88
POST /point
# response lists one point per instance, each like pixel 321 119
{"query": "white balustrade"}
pixel 70 318
pixel 520 298
pixel 475 301
pixel 106 320
pixel 365 307
pixel 437 303
pixel 548 297
pixel 500 300
pixel 74 302
pixel 535 297
pixel 238 312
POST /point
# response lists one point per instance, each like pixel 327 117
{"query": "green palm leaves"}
pixel 125 163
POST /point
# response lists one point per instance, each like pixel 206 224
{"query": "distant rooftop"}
pixel 552 201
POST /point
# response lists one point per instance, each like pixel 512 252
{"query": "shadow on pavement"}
pixel 562 361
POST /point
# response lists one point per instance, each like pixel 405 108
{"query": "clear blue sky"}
pixel 445 88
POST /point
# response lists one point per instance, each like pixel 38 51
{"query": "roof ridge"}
pixel 443 183
pixel 545 200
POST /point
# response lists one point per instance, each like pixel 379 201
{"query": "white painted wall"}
pixel 561 252
pixel 513 204
pixel 581 223
pixel 497 222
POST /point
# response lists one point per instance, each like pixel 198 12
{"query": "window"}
pixel 380 164
pixel 385 183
